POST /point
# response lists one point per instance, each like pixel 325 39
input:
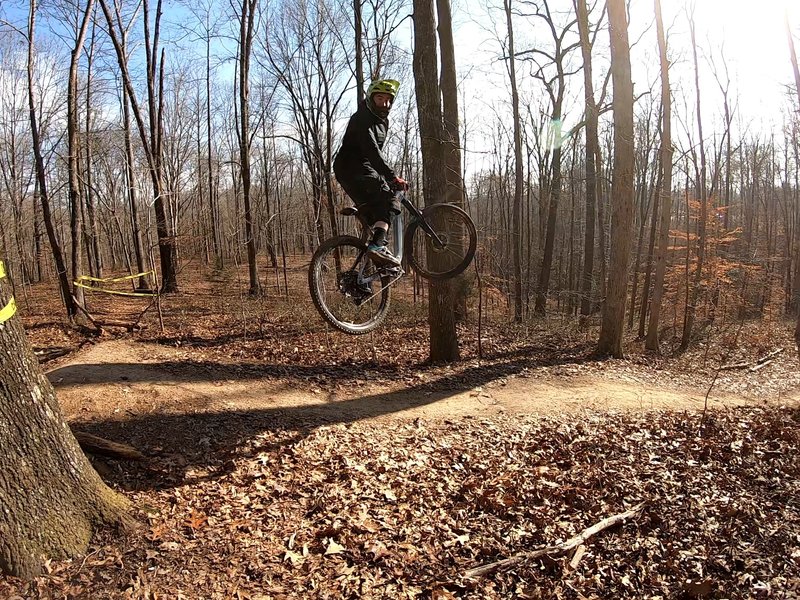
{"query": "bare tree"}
pixel 151 142
pixel 41 176
pixel 796 71
pixel 550 68
pixel 303 53
pixel 245 12
pixel 441 318
pixel 75 198
pixel 691 306
pixel 611 329
pixel 590 160
pixel 516 230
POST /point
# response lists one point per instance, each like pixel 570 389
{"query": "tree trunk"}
pixel 51 496
pixel 796 71
pixel 212 210
pixel 359 50
pixel 452 150
pixel 691 307
pixel 131 188
pixel 516 225
pixel 612 326
pixel 645 304
pixel 61 269
pixel 76 202
pixel 94 238
pixel 246 26
pixel 151 144
pixel 540 308
pixel 441 319
pixel 664 189
pixel 592 148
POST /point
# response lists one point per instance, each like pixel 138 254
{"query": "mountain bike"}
pixel 353 294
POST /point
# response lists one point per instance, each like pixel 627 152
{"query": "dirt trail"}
pixel 119 379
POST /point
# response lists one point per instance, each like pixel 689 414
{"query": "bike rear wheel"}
pixel 459 238
pixel 346 286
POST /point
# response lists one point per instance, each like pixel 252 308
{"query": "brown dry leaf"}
pixel 196 520
pixel 157 532
pixel 376 548
pixel 334 548
pixel 698 589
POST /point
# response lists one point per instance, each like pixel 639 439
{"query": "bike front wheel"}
pixel 452 252
pixel 347 288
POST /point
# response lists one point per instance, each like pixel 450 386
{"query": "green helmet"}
pixel 383 86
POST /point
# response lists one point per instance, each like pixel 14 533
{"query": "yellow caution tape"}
pixel 114 279
pixel 8 310
pixel 115 292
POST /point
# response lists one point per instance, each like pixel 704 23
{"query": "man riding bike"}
pixel 362 171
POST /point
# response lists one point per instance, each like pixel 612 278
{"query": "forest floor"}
pixel 287 461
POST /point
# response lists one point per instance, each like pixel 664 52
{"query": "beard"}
pixel 383 113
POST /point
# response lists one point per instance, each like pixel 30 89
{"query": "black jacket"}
pixel 360 154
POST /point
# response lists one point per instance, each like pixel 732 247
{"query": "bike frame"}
pixel 417 217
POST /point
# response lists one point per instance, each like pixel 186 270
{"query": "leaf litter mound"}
pixel 405 509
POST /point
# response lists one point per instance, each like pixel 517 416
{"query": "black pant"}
pixel 373 197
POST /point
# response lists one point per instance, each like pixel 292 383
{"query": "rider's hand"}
pixel 399 184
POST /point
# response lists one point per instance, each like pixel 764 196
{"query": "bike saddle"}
pixel 348 211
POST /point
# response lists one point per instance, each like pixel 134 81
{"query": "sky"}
pixel 749 37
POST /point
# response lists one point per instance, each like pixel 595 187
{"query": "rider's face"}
pixel 382 101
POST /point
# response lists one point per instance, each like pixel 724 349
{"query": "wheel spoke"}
pixel 346 288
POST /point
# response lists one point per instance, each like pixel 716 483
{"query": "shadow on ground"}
pixel 207 442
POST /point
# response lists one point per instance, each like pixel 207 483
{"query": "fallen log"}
pixel 557 549
pixel 769 356
pixel 103 447
pixel 741 365
pixel 760 366
pixel 47 354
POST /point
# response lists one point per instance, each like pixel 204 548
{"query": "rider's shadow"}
pixel 189 447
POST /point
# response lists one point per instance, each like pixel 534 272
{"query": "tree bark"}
pixel 51 496
pixel 691 306
pixel 246 26
pixel 612 326
pixel 75 199
pixel 592 148
pixel 516 225
pixel 664 190
pixel 359 49
pixel 441 318
pixel 796 71
pixel 452 150
pixel 151 144
pixel 61 269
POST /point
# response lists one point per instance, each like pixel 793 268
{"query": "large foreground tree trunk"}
pixel 51 499
pixel 611 328
pixel 441 317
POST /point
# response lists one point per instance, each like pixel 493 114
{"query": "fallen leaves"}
pixel 402 509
